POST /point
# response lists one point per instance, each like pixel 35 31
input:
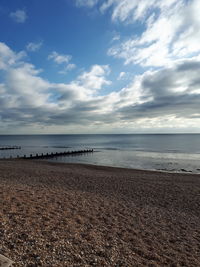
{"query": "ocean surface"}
pixel 167 152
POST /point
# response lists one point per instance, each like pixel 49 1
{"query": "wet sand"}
pixel 81 215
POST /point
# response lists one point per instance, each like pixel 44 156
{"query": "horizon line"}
pixel 100 134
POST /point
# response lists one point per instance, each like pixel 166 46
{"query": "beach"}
pixel 54 214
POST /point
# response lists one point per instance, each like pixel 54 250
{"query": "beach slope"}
pixel 81 215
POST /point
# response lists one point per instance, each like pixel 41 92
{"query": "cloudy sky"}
pixel 99 66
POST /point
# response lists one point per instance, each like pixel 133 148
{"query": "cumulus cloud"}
pixel 27 98
pixel 164 98
pixel 19 16
pixel 173 92
pixel 95 78
pixel 32 47
pixel 8 57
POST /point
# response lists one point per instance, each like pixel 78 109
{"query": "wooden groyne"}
pixel 56 154
pixel 9 147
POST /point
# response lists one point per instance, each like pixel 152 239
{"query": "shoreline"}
pixel 63 214
pixel 125 168
pixel 171 164
pixel 184 171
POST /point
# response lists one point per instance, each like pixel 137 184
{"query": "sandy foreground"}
pixel 79 215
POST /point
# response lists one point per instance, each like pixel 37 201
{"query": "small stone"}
pixel 5 262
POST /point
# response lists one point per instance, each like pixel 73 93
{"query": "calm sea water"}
pixel 168 152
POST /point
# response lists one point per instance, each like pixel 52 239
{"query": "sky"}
pixel 99 66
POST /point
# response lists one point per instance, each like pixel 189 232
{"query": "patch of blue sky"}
pixel 65 29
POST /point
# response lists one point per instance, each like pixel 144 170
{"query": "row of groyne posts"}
pixel 51 155
pixel 9 147
pixel 57 154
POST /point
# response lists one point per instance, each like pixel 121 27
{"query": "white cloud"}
pixel 67 68
pixel 172 34
pixel 171 92
pixel 8 57
pixel 125 76
pixel 19 16
pixel 24 91
pixel 87 3
pixel 34 46
pixel 95 78
pixel 59 58
pixel 154 100
pixel 116 37
pixel 132 10
pixel 121 75
pixel 28 89
pixel 171 30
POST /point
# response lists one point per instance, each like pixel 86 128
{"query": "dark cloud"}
pixel 174 91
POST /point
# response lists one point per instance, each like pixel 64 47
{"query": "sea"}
pixel 163 152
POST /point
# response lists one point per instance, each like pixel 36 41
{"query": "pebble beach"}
pixel 57 215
